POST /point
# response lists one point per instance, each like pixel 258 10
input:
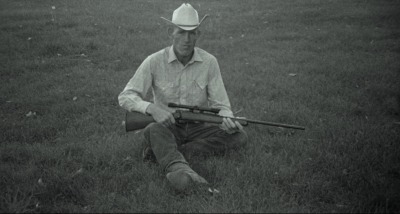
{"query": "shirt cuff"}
pixel 225 113
pixel 141 107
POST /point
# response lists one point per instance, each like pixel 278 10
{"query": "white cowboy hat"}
pixel 186 17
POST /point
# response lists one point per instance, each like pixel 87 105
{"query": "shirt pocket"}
pixel 199 92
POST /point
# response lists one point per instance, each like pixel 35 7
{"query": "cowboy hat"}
pixel 186 17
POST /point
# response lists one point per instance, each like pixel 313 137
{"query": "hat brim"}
pixel 187 27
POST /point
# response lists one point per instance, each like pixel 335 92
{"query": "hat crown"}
pixel 185 15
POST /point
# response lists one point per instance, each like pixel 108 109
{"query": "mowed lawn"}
pixel 331 66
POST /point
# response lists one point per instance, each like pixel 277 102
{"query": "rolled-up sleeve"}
pixel 217 96
pixel 131 98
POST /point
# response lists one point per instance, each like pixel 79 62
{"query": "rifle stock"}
pixel 137 120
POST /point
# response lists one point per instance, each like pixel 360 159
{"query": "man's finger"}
pixel 238 125
pixel 230 123
pixel 228 126
pixel 165 123
pixel 172 119
pixel 226 123
pixel 223 125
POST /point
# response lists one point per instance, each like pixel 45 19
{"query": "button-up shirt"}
pixel 198 83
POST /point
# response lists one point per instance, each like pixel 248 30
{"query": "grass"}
pixel 67 66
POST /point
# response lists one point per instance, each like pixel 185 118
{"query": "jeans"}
pixel 182 141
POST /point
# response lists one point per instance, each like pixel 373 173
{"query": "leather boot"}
pixel 181 176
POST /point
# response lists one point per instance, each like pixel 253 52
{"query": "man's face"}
pixel 184 41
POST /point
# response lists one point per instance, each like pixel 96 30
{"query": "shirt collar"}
pixel 195 58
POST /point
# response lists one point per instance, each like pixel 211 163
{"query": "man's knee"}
pixel 153 128
pixel 241 138
pixel 156 133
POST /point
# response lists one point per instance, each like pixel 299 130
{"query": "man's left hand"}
pixel 230 126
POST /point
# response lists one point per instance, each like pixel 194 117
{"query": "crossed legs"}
pixel 181 142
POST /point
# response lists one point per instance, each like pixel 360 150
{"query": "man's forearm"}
pixel 131 101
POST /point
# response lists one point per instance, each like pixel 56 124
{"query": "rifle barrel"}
pixel 272 124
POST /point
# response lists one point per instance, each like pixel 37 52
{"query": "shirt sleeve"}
pixel 217 96
pixel 131 98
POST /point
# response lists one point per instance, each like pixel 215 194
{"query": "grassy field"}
pixel 331 66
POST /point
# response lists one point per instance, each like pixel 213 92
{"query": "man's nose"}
pixel 186 36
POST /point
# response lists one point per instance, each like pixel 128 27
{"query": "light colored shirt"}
pixel 198 83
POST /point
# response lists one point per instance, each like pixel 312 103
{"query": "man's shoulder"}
pixel 205 55
pixel 159 55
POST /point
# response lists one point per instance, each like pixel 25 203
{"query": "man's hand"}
pixel 229 126
pixel 161 115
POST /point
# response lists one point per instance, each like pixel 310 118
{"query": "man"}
pixel 182 74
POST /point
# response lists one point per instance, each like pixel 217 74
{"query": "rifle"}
pixel 137 120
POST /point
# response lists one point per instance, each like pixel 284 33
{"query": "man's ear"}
pixel 170 31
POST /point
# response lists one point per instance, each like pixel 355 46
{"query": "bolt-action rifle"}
pixel 137 120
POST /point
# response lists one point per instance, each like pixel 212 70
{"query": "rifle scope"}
pixel 194 108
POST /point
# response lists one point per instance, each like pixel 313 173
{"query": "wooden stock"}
pixel 137 120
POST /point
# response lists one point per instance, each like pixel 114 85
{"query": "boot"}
pixel 181 176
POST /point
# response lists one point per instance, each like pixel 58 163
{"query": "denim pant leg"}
pixel 163 141
pixel 209 139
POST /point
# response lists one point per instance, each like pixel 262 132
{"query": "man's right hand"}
pixel 161 115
